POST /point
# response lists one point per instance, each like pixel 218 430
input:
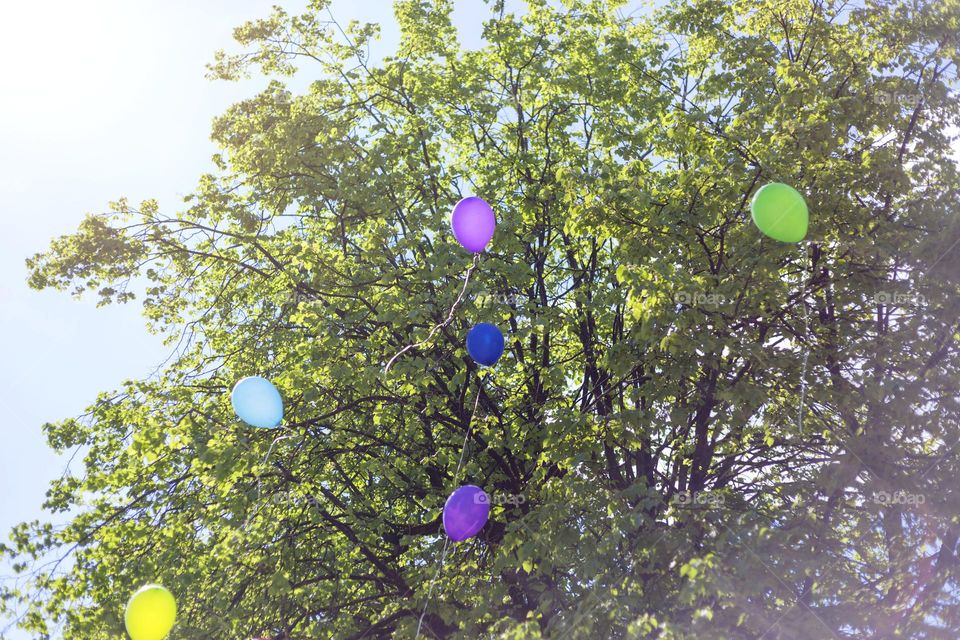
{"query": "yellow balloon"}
pixel 150 613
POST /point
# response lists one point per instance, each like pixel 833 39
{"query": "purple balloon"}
pixel 465 512
pixel 473 223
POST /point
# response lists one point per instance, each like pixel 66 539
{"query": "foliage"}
pixel 641 435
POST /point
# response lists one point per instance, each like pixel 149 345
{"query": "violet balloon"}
pixel 465 512
pixel 473 223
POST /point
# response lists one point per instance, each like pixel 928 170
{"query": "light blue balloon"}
pixel 257 402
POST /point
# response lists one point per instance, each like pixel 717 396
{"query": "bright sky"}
pixel 99 99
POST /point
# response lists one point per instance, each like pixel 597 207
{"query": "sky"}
pixel 98 100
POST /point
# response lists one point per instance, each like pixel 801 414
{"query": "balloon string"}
pixel 443 559
pixel 266 458
pixel 806 335
pixel 456 477
pixel 443 324
pixel 466 438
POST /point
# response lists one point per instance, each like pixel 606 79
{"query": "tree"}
pixel 695 431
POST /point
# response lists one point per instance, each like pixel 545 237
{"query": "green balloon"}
pixel 780 212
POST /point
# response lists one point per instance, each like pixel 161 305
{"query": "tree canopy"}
pixel 695 431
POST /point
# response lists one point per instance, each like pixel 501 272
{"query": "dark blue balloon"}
pixel 485 344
